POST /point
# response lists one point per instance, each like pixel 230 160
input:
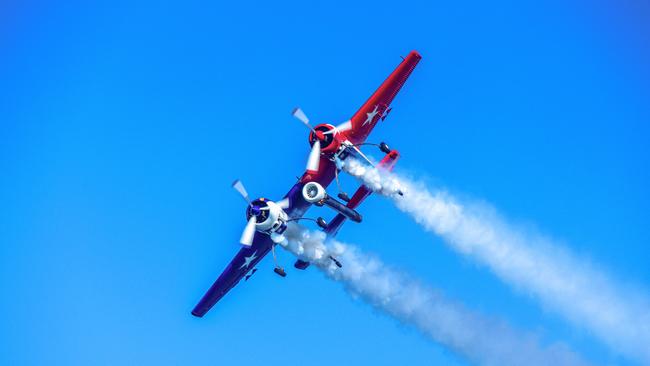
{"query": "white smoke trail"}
pixel 479 339
pixel 574 288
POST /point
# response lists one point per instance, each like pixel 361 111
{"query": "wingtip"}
pixel 415 54
pixel 197 314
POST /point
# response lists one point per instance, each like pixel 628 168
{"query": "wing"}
pixel 378 105
pixel 243 262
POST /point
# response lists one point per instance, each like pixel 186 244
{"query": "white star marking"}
pixel 371 116
pixel 248 260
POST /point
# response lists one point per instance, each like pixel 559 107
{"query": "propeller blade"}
pixel 299 114
pixel 345 126
pixel 239 187
pixel 284 203
pixel 249 232
pixel 314 157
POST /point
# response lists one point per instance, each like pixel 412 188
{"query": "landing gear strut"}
pixel 342 195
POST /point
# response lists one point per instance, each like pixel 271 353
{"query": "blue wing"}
pixel 243 262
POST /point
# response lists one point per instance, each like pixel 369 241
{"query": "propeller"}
pixel 284 203
pixel 313 162
pixel 345 126
pixel 299 114
pixel 314 156
pixel 239 187
pixel 249 232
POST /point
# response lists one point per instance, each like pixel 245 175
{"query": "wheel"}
pixel 384 147
pixel 321 222
pixel 344 196
pixel 280 272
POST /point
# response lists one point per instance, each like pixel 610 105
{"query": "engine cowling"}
pixel 326 133
pixel 270 217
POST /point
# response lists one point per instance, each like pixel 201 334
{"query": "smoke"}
pixel 584 294
pixel 477 338
pixel 379 181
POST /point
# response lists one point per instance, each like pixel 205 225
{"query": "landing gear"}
pixel 384 147
pixel 279 270
pixel 342 195
pixel 321 222
pixel 338 264
pixel 300 264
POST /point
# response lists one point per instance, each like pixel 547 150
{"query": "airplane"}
pixel 267 220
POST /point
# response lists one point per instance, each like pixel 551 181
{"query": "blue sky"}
pixel 123 126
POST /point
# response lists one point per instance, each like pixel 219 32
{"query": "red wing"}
pixel 378 105
pixel 243 262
